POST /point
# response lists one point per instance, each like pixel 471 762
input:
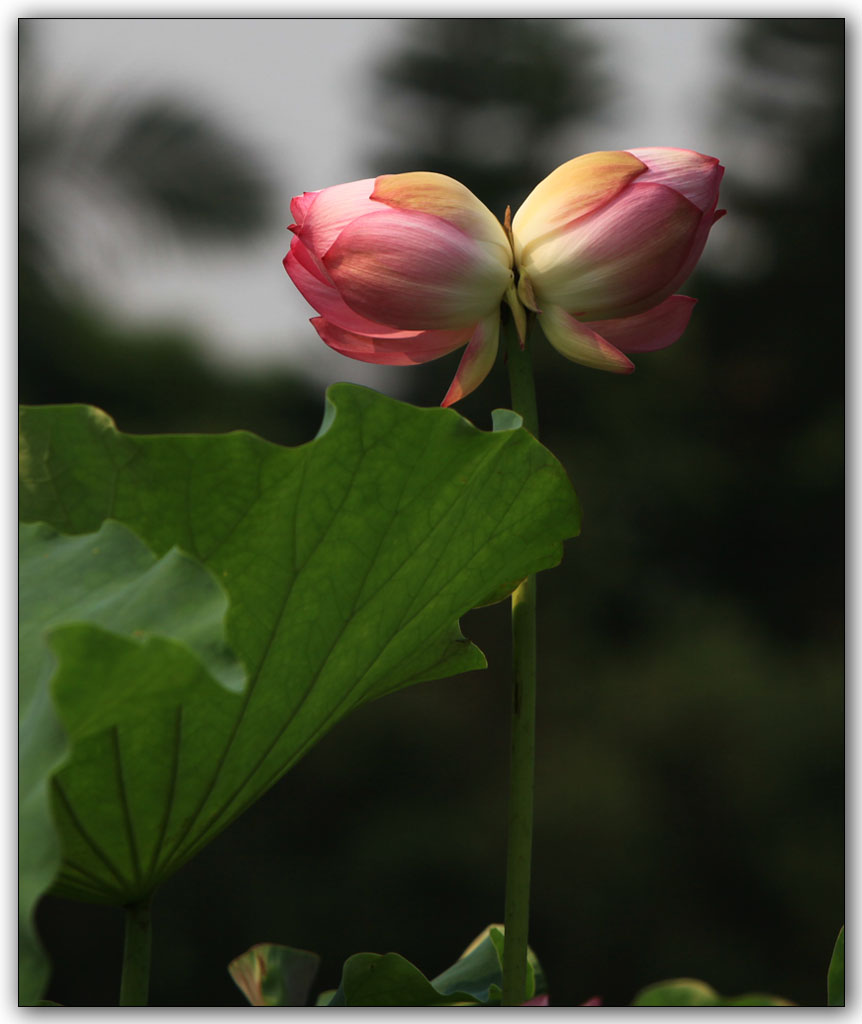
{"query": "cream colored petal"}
pixel 444 197
pixel 574 189
pixel 580 343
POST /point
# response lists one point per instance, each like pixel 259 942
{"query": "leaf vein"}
pixel 94 846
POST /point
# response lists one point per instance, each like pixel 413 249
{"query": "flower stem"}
pixel 135 983
pixel 523 728
pixel 521 386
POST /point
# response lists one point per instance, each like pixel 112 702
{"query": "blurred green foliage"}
pixel 835 975
pixel 690 775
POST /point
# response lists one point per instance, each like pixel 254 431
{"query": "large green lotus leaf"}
pixel 347 562
pixel 107 633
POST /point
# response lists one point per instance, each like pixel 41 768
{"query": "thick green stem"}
pixel 135 984
pixel 521 386
pixel 523 729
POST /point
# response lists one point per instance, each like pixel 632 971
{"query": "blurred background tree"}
pixel 484 99
pixel 147 171
pixel 690 776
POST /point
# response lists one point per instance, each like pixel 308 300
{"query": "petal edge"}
pixel 421 347
pixel 649 331
pixel 580 343
pixel 477 360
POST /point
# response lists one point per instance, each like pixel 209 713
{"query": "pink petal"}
pixel 477 360
pixel 414 271
pixel 420 347
pixel 694 253
pixel 536 1001
pixel 646 332
pixel 319 292
pixel 322 216
pixel 310 264
pixel 618 260
pixel 299 208
pixel 580 343
pixel 696 176
pixel 595 1001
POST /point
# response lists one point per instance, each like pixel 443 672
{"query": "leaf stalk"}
pixel 135 982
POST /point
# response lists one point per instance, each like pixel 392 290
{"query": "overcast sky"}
pixel 295 91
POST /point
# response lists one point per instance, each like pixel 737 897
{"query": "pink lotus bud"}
pixel 603 243
pixel 403 269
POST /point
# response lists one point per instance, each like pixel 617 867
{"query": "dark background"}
pixel 690 798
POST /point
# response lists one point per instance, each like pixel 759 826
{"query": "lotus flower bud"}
pixel 603 243
pixel 405 268
pixel 402 269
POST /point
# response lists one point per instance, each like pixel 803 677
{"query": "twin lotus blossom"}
pixel 405 268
